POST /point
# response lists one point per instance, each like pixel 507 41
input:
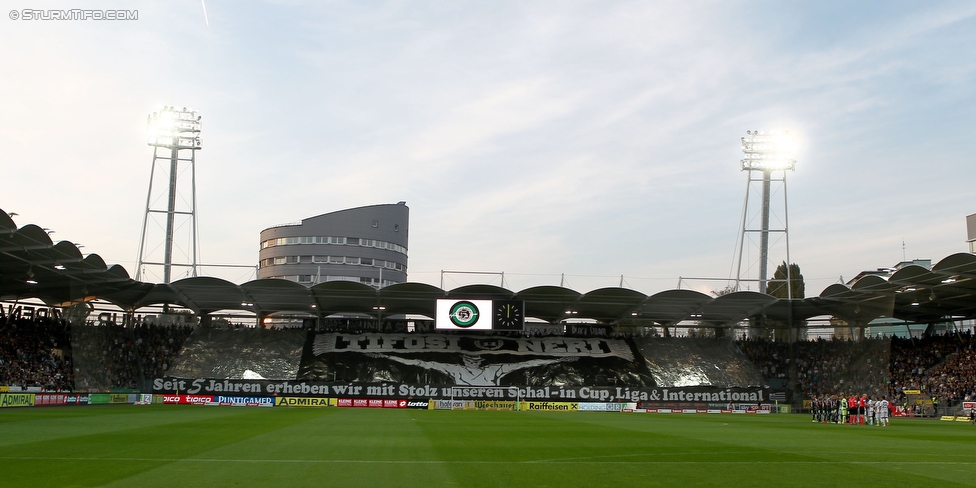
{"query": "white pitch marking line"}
pixel 380 461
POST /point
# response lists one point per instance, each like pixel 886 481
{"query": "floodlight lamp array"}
pixel 175 128
pixel 768 151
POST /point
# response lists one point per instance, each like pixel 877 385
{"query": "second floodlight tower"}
pixel 171 214
pixel 767 157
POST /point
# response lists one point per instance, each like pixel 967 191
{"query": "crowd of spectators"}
pixel 103 357
pixel 53 355
pixel 940 366
pixel 772 358
pixel 35 353
pixel 157 346
pixel 113 356
pixel 822 367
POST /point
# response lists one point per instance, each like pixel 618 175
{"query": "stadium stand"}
pixel 942 366
pixel 35 353
pixel 112 356
pixel 823 366
pixel 48 354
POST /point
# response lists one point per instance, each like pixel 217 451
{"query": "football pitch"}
pixel 173 445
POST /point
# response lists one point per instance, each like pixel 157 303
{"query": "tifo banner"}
pixel 472 345
pixel 16 400
pixel 304 402
pixel 589 330
pixel 471 360
pixel 550 406
pixel 205 386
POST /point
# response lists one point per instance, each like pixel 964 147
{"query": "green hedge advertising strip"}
pixel 107 398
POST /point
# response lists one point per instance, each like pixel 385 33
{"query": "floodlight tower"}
pixel 174 135
pixel 767 156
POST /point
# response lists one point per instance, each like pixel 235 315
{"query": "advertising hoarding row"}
pixel 407 391
pixel 382 403
pixel 64 399
pixel 228 401
pixel 526 406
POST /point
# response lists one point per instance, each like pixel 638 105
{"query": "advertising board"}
pixel 448 404
pixel 99 399
pixel 188 399
pixel 60 399
pixel 243 401
pixel 484 405
pixel 304 402
pixel 418 404
pixel 600 407
pixel 550 406
pixel 16 400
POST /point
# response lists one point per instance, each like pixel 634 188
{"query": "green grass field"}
pixel 238 446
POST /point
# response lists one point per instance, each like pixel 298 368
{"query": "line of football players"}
pixel 853 410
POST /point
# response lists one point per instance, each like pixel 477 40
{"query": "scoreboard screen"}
pixel 480 315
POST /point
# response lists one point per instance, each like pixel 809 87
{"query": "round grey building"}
pixel 363 244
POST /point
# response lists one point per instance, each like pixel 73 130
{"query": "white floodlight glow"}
pixel 174 128
pixel 768 151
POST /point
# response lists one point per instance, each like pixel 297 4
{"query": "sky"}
pixel 591 144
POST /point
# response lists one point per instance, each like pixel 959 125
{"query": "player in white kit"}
pixel 882 411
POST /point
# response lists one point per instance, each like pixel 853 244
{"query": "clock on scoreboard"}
pixel 472 314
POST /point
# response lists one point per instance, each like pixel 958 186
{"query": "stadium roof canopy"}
pixel 32 266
